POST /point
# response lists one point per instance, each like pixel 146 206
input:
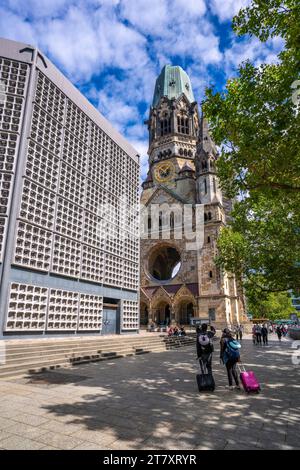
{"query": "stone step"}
pixel 51 364
pixel 43 347
pixel 80 353
pixel 21 354
pixel 12 356
pixel 34 360
pixel 58 356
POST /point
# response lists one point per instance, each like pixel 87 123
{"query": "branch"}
pixel 275 186
pixel 265 289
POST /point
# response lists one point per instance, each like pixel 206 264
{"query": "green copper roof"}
pixel 172 82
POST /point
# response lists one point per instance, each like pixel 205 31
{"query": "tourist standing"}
pixel 205 348
pixel 230 355
pixel 258 333
pixel 254 334
pixel 264 333
pixel 241 331
pixel 236 331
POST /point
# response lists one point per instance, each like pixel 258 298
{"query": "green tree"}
pixel 257 124
pixel 273 306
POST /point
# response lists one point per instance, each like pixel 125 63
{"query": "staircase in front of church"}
pixel 20 357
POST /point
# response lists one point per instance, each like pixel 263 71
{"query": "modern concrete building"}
pixel 69 242
pixel 180 279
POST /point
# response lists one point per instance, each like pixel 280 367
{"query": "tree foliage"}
pixel 256 121
pixel 273 306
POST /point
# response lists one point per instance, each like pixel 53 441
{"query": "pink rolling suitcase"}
pixel 248 379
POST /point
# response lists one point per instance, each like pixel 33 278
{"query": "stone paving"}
pixel 152 402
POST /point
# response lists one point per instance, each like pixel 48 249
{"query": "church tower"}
pixel 180 280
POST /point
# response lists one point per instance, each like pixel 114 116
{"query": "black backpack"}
pixel 205 343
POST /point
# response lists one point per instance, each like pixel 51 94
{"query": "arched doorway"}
pixel 162 313
pixel 144 313
pixel 185 311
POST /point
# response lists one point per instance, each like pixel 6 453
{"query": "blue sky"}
pixel 113 50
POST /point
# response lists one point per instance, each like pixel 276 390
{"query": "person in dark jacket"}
pixel 264 334
pixel 229 359
pixel 279 332
pixel 205 347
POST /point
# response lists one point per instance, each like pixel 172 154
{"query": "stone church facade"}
pixel 181 199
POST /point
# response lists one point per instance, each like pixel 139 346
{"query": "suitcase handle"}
pixel 241 367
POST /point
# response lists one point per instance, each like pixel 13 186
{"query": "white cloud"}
pixel 125 43
pixel 193 8
pixel 227 9
pixel 142 147
pixel 117 111
pixel 78 56
pixel 148 17
pixel 253 50
pixel 14 27
pixel 39 8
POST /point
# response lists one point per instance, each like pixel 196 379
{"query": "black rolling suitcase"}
pixel 205 381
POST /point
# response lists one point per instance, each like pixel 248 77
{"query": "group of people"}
pixel 260 334
pixel 229 352
pixel 176 331
pixel 238 330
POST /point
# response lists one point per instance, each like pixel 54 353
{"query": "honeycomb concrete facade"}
pixel 69 242
pixel 182 174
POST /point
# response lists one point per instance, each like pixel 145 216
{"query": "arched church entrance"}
pixel 185 310
pixel 162 314
pixel 144 313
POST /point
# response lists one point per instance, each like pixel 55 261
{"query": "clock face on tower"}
pixel 164 172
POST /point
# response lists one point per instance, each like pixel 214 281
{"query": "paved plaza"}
pixel 152 402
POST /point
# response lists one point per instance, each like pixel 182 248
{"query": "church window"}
pixel 165 126
pixel 208 239
pixel 205 217
pixel 160 221
pixel 149 223
pixel 205 186
pixel 172 220
pixel 210 274
pixel 164 263
pixel 214 183
pixel 209 216
pixel 183 125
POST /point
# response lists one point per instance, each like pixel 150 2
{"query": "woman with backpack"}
pixel 230 355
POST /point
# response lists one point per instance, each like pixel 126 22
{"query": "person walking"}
pixel 241 331
pixel 205 348
pixel 230 356
pixel 258 333
pixel 279 332
pixel 236 331
pixel 264 334
pixel 254 334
